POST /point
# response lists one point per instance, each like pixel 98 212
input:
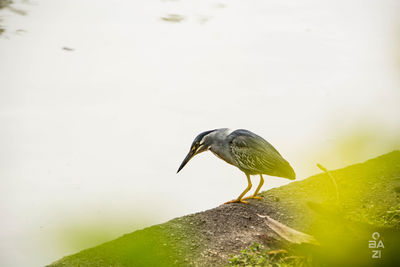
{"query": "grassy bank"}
pixel 369 198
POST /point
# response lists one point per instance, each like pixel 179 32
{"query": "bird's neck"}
pixel 219 144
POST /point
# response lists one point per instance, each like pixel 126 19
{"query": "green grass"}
pixel 257 256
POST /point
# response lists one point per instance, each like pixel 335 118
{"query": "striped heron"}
pixel 241 148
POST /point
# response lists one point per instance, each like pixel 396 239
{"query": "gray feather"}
pixel 254 155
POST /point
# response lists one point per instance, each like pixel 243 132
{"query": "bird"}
pixel 245 150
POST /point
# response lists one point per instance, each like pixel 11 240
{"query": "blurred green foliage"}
pixel 147 247
pixel 359 142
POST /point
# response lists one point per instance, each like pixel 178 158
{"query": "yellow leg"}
pixel 257 190
pixel 239 199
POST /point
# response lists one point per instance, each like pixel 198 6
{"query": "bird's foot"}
pixel 237 201
pixel 253 197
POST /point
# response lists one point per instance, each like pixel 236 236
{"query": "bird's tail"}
pixel 284 170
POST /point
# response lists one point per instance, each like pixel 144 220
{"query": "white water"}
pixel 92 138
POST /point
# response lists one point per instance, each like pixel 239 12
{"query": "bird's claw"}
pixel 253 197
pixel 237 201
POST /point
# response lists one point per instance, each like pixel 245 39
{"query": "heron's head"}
pixel 200 144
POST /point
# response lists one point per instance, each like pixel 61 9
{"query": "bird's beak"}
pixel 186 160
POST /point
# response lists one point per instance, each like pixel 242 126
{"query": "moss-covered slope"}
pixel 366 192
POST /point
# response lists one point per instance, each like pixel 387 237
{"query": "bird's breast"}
pixel 223 154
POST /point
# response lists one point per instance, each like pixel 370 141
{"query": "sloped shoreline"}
pixel 208 238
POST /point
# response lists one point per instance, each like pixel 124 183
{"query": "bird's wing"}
pixel 253 153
